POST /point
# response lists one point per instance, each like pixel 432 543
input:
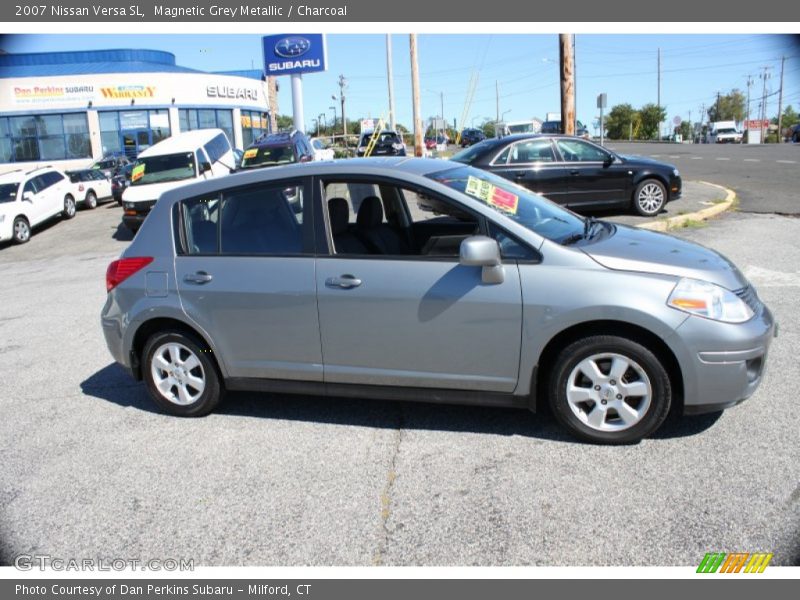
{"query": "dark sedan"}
pixel 577 173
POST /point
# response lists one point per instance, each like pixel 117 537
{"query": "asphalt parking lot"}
pixel 91 470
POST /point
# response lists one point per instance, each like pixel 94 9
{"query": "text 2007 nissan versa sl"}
pixel 429 280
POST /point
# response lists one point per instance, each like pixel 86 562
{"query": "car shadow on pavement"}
pixel 113 384
pixel 122 234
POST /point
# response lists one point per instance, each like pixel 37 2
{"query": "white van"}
pixel 725 132
pixel 178 160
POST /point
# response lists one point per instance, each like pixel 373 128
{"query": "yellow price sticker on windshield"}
pixel 492 195
pixel 251 153
pixel 137 172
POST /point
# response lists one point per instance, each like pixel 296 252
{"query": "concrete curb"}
pixel 700 215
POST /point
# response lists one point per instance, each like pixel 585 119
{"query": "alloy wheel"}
pixel 178 374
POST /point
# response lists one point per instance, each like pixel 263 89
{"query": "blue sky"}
pixel 694 68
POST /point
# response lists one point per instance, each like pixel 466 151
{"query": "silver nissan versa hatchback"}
pixel 413 279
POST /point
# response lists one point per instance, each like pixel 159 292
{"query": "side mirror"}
pixel 609 160
pixel 306 158
pixel 482 251
pixel 205 166
pixel 27 196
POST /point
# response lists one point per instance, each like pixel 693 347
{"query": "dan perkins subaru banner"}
pixel 296 53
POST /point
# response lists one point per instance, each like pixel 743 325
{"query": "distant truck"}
pixel 530 126
pixel 724 132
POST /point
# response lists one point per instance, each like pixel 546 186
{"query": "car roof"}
pixel 181 142
pixel 18 175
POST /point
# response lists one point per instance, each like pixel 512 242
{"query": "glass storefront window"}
pixel 207 118
pixel 254 124
pixel 44 137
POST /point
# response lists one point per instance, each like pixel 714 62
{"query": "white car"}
pixel 90 186
pixel 321 150
pixel 28 198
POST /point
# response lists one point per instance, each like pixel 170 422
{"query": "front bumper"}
pixel 722 363
pixel 675 188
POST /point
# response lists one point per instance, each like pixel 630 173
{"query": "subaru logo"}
pixel 291 47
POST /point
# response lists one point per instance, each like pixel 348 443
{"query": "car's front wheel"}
pixel 22 230
pixel 69 207
pixel 180 374
pixel 649 198
pixel 609 390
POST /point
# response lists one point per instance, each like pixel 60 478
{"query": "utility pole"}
pixel 418 133
pixel 780 102
pixel 764 76
pixel 497 108
pixel 567 84
pixel 444 123
pixel 658 100
pixel 718 117
pixel 392 122
pixel 342 87
pixel 747 120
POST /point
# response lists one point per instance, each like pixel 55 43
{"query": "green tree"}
pixel 685 130
pixel 618 122
pixel 285 122
pixel 651 117
pixel 732 107
pixel 790 117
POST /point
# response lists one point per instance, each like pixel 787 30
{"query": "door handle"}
pixel 519 174
pixel 346 281
pixel 574 172
pixel 199 278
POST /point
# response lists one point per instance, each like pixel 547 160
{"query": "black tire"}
pixel 21 231
pixel 642 360
pixel 649 198
pixel 205 401
pixel 69 207
pixel 90 201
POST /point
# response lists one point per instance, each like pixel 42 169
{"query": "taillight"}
pixel 119 270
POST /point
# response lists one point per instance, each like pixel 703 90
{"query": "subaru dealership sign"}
pixel 295 53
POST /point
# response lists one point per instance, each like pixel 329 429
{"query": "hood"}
pixel 152 191
pixel 643 160
pixel 631 249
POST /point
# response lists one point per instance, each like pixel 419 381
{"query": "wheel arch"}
pixel 624 329
pixel 644 176
pixel 155 325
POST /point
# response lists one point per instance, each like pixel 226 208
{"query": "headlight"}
pixel 708 300
pixel 676 172
pixel 397 146
pixel 129 205
pixel 362 148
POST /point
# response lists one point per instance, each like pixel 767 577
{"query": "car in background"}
pixel 90 187
pixel 282 148
pixel 428 280
pixel 471 136
pixel 111 164
pixel 796 134
pixel 386 143
pixel 322 150
pixel 120 182
pixel 578 173
pixel 430 143
pixel 551 127
pixel 29 198
pixel 173 162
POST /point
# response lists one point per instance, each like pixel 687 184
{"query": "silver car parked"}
pixel 427 280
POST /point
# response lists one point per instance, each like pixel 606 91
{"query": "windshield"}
pixel 167 167
pixel 8 192
pixel 515 202
pixel 726 130
pixel 520 128
pixel 267 156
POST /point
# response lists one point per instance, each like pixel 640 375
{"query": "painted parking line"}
pixel 697 158
pixel 722 158
pixel 674 155
pixel 787 162
pixel 656 155
pixel 752 160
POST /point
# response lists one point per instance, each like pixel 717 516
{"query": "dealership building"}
pixel 67 108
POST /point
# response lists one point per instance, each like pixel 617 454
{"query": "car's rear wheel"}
pixel 180 375
pixel 22 230
pixel 609 390
pixel 649 198
pixel 69 207
pixel 90 201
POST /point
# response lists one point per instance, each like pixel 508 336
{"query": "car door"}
pixel 245 275
pixel 36 206
pixel 594 178
pixel 532 163
pixel 411 320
